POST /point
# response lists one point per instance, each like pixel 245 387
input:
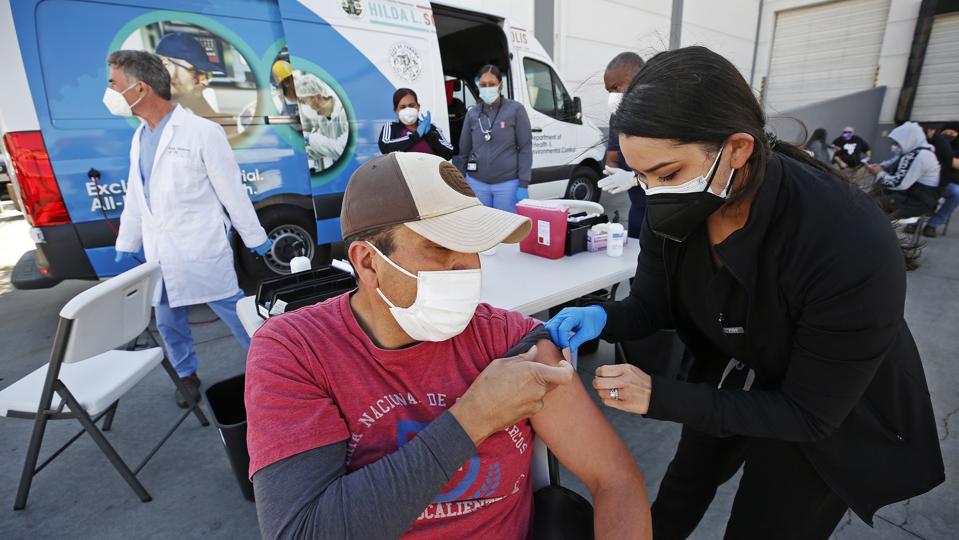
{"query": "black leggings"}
pixel 780 495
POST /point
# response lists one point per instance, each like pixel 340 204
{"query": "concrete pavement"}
pixel 195 494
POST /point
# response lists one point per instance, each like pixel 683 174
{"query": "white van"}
pixel 69 157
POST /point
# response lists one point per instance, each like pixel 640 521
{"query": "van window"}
pixel 546 91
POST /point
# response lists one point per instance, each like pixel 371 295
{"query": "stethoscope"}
pixel 488 131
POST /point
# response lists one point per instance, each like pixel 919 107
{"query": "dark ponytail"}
pixel 693 95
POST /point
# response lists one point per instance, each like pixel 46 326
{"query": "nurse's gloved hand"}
pixel 522 193
pixel 262 248
pixel 424 126
pixel 586 323
pixel 123 257
pixel 618 180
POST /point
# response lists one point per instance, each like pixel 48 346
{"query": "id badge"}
pixel 471 166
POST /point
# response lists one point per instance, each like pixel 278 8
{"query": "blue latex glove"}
pixel 262 248
pixel 586 322
pixel 424 126
pixel 123 257
pixel 522 193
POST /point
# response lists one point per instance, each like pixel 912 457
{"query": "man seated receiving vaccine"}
pixel 407 408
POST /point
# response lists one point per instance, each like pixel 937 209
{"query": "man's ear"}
pixel 361 257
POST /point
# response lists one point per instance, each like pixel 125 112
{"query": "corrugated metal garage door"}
pixel 937 95
pixel 824 51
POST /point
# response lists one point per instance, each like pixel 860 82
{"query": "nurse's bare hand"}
pixel 507 391
pixel 624 387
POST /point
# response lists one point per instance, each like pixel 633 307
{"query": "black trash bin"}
pixel 229 415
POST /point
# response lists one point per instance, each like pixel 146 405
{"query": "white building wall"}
pixel 519 12
pixel 893 55
pixel 588 34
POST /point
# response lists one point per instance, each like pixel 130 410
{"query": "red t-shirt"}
pixel 314 378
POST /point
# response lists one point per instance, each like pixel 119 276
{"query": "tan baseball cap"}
pixel 430 196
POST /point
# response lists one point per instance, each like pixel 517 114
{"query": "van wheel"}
pixel 583 185
pixel 293 233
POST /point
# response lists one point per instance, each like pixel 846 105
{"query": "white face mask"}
pixel 444 305
pixel 613 101
pixel 117 104
pixel 408 115
pixel 696 185
pixel 489 94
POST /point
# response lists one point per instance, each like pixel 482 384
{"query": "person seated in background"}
pixel 851 149
pixel 413 133
pixel 944 143
pixel 907 184
pixel 816 145
pixel 850 153
pixel 407 408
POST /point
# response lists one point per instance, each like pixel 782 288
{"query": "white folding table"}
pixel 525 283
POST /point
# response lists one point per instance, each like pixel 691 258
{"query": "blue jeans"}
pixel 501 196
pixel 174 329
pixel 950 204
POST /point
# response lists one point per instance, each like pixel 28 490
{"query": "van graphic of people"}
pixel 190 74
pixel 325 126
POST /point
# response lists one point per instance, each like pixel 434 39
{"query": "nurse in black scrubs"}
pixel 788 288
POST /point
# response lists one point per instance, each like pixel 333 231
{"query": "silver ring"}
pixel 614 394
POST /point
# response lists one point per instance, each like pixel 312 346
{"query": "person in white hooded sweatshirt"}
pixel 908 182
pixel 184 194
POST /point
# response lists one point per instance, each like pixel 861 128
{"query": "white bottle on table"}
pixel 615 240
pixel 300 264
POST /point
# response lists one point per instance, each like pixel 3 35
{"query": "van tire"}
pixel 293 232
pixel 583 184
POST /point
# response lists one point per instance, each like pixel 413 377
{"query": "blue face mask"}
pixel 489 94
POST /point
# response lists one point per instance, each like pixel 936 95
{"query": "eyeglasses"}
pixel 199 75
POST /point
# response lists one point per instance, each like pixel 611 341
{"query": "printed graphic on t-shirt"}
pixel 482 481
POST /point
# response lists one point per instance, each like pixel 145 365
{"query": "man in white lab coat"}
pixel 325 126
pixel 183 194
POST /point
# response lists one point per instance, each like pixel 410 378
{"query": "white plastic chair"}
pixel 86 377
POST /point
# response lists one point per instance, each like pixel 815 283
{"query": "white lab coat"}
pixel 325 137
pixel 195 191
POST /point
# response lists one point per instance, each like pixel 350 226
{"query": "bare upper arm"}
pixel 575 430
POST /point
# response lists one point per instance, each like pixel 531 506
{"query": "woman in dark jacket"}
pixel 412 133
pixel 787 286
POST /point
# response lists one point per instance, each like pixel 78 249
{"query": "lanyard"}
pixel 488 132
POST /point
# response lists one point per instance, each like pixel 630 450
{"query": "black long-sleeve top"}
pixel 394 137
pixel 823 280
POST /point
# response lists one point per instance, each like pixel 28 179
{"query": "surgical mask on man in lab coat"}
pixel 117 104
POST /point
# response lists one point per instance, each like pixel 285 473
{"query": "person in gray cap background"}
pixel 190 72
pixel 407 407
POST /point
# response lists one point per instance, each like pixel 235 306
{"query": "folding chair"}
pixel 86 377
